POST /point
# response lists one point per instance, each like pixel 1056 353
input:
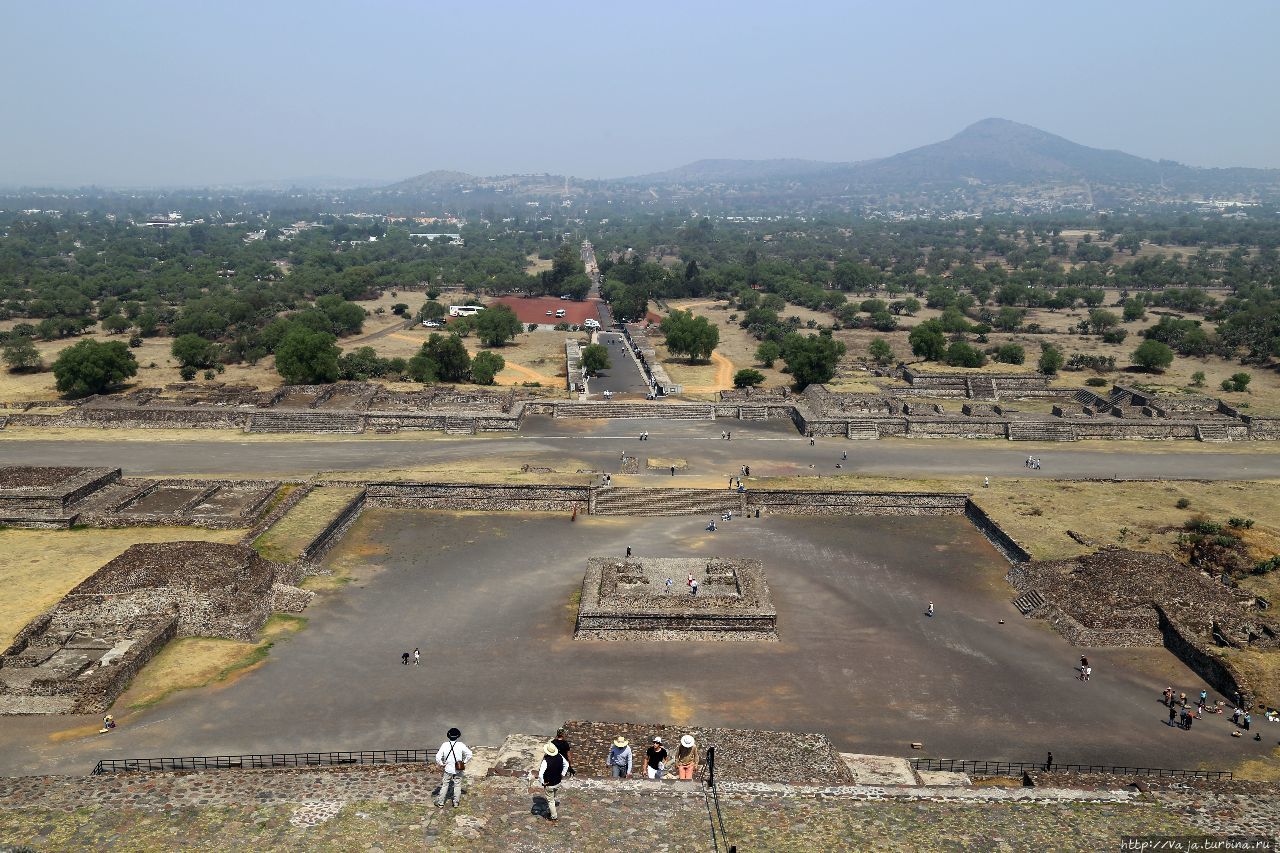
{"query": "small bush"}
pixel 1096 382
pixel 1183 503
pixel 187 373
pixel 1238 522
pixel 1202 526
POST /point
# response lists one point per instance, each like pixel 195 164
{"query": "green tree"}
pixel 595 358
pixel 1051 359
pixel 768 352
pixel 880 351
pixel 883 321
pixel 1133 310
pixel 747 378
pixel 21 355
pixel 92 367
pixel 497 325
pixel 431 310
pixel 693 336
pixel 1239 382
pixel 1008 319
pixel 451 355
pixel 811 359
pixel 927 341
pixel 115 324
pixel 1153 356
pixel 1011 354
pixel 1197 379
pixel 1100 320
pixel 485 366
pixel 961 354
pixel 191 350
pixel 307 357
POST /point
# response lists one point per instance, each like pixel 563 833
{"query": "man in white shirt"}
pixel 453 757
pixel 551 773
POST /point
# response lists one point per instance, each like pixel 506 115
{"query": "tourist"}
pixel 1204 698
pixel 689 582
pixel 986 482
pixel 1085 669
pixel 628 552
pixel 1248 718
pixel 1173 713
pixel 1182 718
pixel 1168 696
pixel 1235 717
pixel 811 441
pixel 655 760
pixel 108 723
pixel 693 588
pixel 673 470
pixel 844 455
pixel 551 773
pixel 564 748
pixel 1048 762
pixel 930 610
pixel 1191 718
pixel 746 470
pixel 452 757
pixel 712 526
pixel 723 435
pixel 417 656
pixel 668 585
pixel 404 658
pixel 619 761
pixel 1182 699
pixel 686 757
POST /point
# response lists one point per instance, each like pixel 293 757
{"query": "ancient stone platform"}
pixel 629 599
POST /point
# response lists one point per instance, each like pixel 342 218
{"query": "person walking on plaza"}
pixel 655 760
pixel 404 658
pixel 686 759
pixel 1173 714
pixel 452 758
pixel 1168 696
pixel 619 761
pixel 693 588
pixel 417 656
pixel 551 773
pixel 930 610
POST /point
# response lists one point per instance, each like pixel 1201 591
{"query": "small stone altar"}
pixel 629 599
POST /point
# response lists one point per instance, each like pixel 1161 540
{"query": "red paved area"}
pixel 533 309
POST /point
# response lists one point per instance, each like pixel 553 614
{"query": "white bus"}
pixel 464 310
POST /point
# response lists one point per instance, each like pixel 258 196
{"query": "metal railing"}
pixel 1018 768
pixel 719 838
pixel 251 762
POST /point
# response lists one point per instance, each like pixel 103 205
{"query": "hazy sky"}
pixel 157 93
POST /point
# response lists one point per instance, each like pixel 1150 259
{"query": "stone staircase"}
pixel 863 431
pixel 1029 602
pixel 665 411
pixel 636 501
pixel 1212 432
pixel 304 421
pixel 746 413
pixel 4 421
pixel 981 388
pixel 1040 431
pixel 459 425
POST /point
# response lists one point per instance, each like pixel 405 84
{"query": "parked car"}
pixel 433 324
pixel 549 313
pixel 590 324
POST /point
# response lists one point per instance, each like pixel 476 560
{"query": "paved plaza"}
pixel 491 601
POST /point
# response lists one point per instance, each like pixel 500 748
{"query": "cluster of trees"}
pixel 695 337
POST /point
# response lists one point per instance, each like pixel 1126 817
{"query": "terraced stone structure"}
pixel 629 599
pixel 79 656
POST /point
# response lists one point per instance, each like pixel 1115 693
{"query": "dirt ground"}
pixel 39 567
pixel 531 357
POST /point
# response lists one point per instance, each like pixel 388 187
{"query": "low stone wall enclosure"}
pixel 1125 413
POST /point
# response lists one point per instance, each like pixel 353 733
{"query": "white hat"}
pixel 657 740
pixel 550 749
pixel 687 741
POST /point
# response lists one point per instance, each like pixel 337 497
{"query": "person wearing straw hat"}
pixel 551 773
pixel 686 759
pixel 619 762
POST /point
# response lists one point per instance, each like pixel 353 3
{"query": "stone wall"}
pixel 1008 547
pixel 1192 650
pixel 333 531
pixel 483 496
pixel 788 502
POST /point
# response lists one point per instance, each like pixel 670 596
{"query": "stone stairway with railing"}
pixel 459 425
pixel 862 431
pixel 1040 431
pixel 305 421
pixel 622 500
pixel 1212 432
pixel 1029 602
pixel 753 413
pixel 665 411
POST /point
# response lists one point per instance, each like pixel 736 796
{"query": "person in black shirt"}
pixel 655 759
pixel 563 747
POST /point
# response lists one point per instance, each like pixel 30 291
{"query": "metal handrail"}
pixel 263 761
pixel 1018 768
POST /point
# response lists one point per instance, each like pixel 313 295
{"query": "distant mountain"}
pixel 440 179
pixel 735 171
pixel 993 151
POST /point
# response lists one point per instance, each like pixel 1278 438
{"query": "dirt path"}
pixel 724 377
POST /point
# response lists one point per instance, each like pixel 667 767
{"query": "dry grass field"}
pixel 39 567
pixel 531 357
pixel 284 541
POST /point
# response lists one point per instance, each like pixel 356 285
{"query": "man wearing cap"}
pixel 619 762
pixel 655 759
pixel 551 773
pixel 452 756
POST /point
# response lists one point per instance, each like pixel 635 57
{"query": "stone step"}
pixel 863 431
pixel 1212 432
pixel 633 501
pixel 1029 602
pixel 305 421
pixel 665 411
pixel 1040 431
